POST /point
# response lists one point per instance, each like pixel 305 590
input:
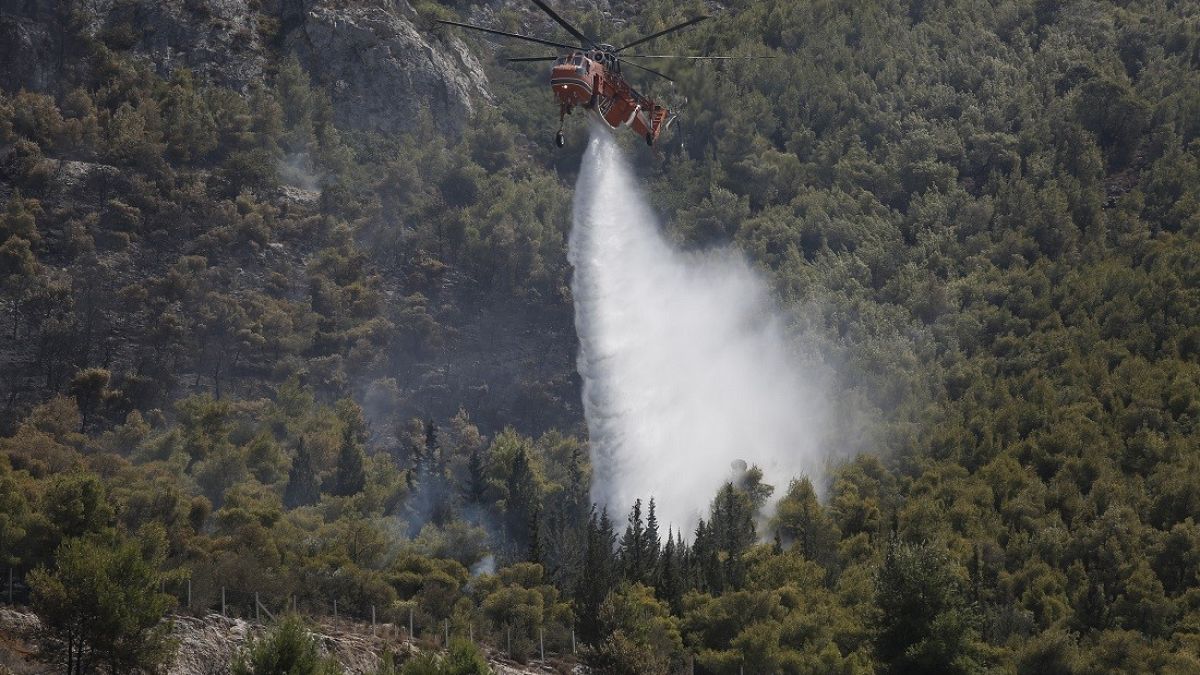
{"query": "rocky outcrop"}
pixel 382 72
pixel 382 64
pixel 208 645
pixel 225 41
pixel 28 51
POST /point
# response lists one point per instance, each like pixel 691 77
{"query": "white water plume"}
pixel 684 359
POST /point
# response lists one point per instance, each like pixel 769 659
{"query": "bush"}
pixel 288 649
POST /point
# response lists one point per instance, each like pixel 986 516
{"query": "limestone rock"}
pixel 382 71
pixel 382 64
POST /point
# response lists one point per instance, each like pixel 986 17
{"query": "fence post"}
pixel 257 604
pixel 542 642
pixel 510 641
pixel 372 619
pixel 411 636
pixel 10 585
pixel 335 609
pixel 447 633
pixel 573 641
pixel 223 602
pixel 471 632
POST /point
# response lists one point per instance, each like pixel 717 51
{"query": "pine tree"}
pixel 522 499
pixel 633 545
pixel 924 622
pixel 350 478
pixel 802 522
pixel 707 571
pixel 598 574
pixel 651 547
pixel 433 447
pixel 669 586
pixel 435 498
pixel 411 450
pixel 476 486
pixel 535 536
pixel 20 219
pixel 576 498
pixel 101 605
pixel 732 531
pixel 302 487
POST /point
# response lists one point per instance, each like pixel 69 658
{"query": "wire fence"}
pixel 402 621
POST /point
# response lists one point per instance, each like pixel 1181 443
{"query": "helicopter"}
pixel 589 76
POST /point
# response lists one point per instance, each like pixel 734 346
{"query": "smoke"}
pixel 297 169
pixel 485 566
pixel 685 361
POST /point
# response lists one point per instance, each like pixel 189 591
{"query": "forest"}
pixel 240 350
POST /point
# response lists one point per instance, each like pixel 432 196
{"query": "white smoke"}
pixel 684 359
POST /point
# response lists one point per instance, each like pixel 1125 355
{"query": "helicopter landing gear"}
pixel 650 139
pixel 559 140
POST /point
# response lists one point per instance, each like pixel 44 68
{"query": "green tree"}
pixel 730 531
pixel 801 521
pixel 633 546
pixel 521 503
pixel 16 516
pixel 475 488
pixel 924 623
pixel 641 636
pixel 20 219
pixel 599 570
pixel 100 607
pixel 303 488
pixel 349 477
pixel 76 504
pixel 90 387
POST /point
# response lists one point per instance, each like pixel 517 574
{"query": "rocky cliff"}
pixel 380 62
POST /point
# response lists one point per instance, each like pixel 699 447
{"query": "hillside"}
pixel 210 644
pixel 287 309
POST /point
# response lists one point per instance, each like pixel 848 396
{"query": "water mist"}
pixel 686 367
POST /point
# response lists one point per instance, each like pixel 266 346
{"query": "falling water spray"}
pixel 685 362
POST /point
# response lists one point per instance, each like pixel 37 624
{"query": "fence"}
pixel 255 606
pixel 404 621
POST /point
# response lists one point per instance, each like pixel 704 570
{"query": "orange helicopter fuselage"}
pixel 584 79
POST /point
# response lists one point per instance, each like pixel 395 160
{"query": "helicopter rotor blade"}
pixel 563 22
pixel 648 70
pixel 511 35
pixel 518 59
pixel 672 29
pixel 680 56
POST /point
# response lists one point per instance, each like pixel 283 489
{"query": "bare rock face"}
pixel 382 64
pixel 226 41
pixel 381 71
pixel 29 45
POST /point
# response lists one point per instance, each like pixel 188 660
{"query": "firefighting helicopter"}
pixel 589 76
